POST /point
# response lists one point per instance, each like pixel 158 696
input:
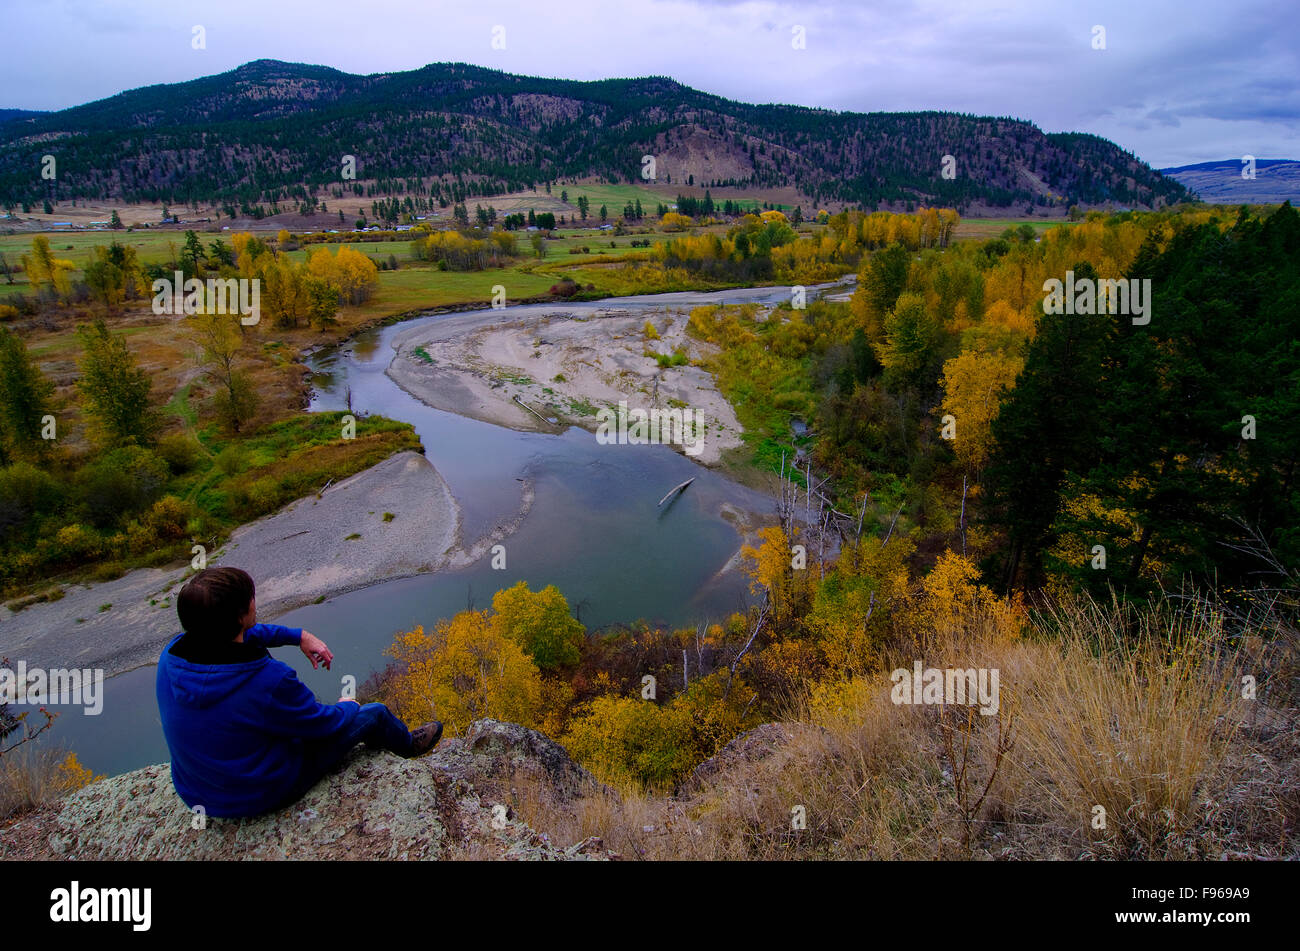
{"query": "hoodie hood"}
pixel 205 685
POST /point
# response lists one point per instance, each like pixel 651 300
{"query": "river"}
pixel 594 530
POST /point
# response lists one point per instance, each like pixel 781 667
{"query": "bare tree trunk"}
pixel 758 626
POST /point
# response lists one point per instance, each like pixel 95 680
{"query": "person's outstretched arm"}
pixel 277 635
pixel 273 635
pixel 292 710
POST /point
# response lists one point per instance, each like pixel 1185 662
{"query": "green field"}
pixel 151 246
pixel 614 197
pixel 413 288
pixel 981 229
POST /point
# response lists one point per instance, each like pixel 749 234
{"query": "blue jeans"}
pixel 375 725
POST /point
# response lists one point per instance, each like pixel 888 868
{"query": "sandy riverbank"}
pixel 312 549
pixel 566 362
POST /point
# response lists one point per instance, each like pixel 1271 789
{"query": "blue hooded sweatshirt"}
pixel 236 731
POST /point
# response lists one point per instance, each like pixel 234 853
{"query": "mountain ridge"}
pixel 270 130
pixel 1220 181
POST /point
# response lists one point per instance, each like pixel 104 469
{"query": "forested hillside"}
pixel 272 131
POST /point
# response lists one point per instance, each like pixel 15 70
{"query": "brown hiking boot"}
pixel 425 738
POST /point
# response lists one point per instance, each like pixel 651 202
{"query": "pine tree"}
pixel 1048 427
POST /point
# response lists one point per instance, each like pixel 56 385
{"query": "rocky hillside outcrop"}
pixel 455 802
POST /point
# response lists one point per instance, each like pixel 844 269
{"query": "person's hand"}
pixel 350 700
pixel 316 651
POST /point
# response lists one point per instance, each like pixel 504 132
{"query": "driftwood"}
pixel 676 488
pixel 531 410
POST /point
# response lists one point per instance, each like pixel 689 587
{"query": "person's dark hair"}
pixel 213 601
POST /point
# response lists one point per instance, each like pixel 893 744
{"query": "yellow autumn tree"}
pixel 70 775
pixel 292 295
pixel 853 608
pixel 672 221
pixel 974 384
pixel 769 567
pixel 251 254
pixel 540 623
pixel 352 274
pixel 1000 314
pixel 44 270
pixel 464 670
pixel 840 702
pixel 949 604
pixel 629 740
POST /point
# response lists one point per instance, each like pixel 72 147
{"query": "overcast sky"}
pixel 1179 81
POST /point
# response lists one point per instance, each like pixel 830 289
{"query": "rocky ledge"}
pixel 455 802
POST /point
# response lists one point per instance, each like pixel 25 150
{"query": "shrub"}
pixel 675 359
pixel 121 482
pixel 34 776
pixel 169 517
pixel 232 459
pixel 540 623
pixel 236 403
pixel 180 451
pixel 77 543
pixel 25 492
pixel 622 739
pixel 463 670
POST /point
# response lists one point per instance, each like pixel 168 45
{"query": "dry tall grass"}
pixel 31 776
pixel 1139 713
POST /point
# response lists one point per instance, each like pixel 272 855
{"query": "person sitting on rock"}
pixel 246 735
